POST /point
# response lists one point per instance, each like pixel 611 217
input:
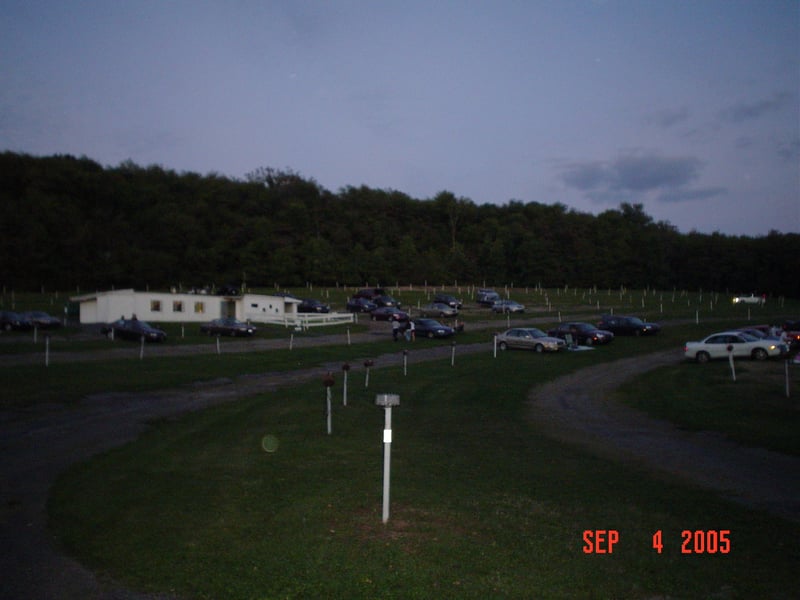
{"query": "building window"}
pixel 177 306
pixel 155 305
pixel 199 307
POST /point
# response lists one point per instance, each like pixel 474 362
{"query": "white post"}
pixel 291 340
pixel 405 362
pixel 344 388
pixel 494 349
pixel 329 411
pixel 786 373
pixel 47 357
pixel 387 401
pixel 218 352
pixel 141 348
pixel 730 360
pixel 453 354
pixel 348 336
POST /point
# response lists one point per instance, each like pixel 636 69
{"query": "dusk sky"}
pixel 691 108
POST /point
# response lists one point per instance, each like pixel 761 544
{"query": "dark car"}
pixel 625 325
pixel 388 313
pixel 369 293
pixel 133 329
pixel 431 328
pixel 228 326
pixel 385 300
pixel 10 320
pixel 487 297
pixel 358 304
pixel 582 333
pixel 229 290
pixel 42 320
pixel 311 305
pixel 451 301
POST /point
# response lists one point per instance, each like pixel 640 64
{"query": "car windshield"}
pixel 428 323
pixel 748 337
pixel 635 321
pixel 537 333
pixel 584 327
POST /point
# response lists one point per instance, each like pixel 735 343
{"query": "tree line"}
pixel 69 221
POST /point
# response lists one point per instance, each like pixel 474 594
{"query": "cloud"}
pixel 681 195
pixel 637 176
pixel 668 117
pixel 747 111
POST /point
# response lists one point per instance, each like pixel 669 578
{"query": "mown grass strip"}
pixel 482 504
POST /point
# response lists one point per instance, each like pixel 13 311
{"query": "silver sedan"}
pixel 529 338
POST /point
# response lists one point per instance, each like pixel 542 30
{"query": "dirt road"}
pixel 576 409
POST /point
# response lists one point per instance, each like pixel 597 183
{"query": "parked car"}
pixel 741 344
pixel 751 299
pixel 133 329
pixel 311 305
pixel 791 333
pixel 42 320
pixel 10 320
pixel 438 309
pixel 228 326
pixel 431 328
pixel 358 304
pixel 370 293
pixel 388 313
pixel 759 333
pixel 451 301
pixel 487 297
pixel 625 325
pixel 507 306
pixel 529 338
pixel 385 300
pixel 582 333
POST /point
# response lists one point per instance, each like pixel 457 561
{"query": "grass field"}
pixel 484 505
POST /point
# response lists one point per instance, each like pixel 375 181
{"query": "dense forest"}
pixel 71 222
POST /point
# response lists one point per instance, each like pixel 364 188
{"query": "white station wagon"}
pixel 741 344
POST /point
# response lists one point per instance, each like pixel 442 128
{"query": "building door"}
pixel 227 309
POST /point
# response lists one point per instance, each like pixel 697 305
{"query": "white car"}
pixel 530 338
pixel 751 299
pixel 741 344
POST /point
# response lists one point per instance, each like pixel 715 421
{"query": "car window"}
pixel 717 339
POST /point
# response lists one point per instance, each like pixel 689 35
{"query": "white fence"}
pixel 308 320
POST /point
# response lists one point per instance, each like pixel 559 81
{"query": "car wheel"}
pixel 7 326
pixel 503 346
pixel 703 357
pixel 538 348
pixel 589 341
pixel 430 335
pixel 638 332
pixel 759 354
pixel 373 317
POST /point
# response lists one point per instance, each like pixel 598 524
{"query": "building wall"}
pixel 105 307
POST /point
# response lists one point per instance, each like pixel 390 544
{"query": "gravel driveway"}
pixel 40 443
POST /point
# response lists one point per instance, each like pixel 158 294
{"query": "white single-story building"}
pixel 104 307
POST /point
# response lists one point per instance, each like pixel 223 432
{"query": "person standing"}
pixel 395 328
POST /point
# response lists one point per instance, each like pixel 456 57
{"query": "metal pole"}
pixel 387 455
pixel 141 348
pixel 329 411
